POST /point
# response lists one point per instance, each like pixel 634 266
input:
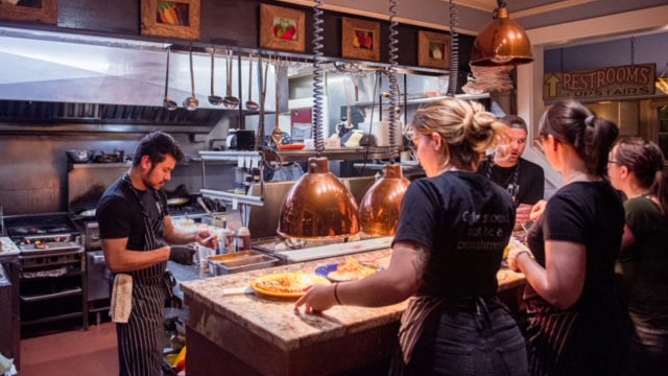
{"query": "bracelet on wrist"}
pixel 336 295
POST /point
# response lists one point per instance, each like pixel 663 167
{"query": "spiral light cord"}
pixel 454 50
pixel 394 85
pixel 318 78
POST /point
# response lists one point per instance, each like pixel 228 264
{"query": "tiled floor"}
pixel 73 353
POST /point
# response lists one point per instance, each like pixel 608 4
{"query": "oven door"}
pixel 98 276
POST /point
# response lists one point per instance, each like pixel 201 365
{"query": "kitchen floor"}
pixel 72 353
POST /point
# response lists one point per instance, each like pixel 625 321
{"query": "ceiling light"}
pixel 501 42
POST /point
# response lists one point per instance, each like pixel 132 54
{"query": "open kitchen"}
pixel 279 142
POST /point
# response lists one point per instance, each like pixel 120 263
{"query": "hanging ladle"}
pixel 277 133
pixel 191 103
pixel 166 102
pixel 230 101
pixel 250 104
pixel 214 99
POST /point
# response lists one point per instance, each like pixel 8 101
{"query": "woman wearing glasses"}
pixel 576 324
pixel 636 168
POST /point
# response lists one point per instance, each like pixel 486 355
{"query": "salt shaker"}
pixel 243 239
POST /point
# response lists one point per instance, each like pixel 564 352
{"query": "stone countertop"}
pixel 7 247
pixel 276 320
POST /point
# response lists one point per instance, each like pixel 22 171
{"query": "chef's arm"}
pixel 396 284
pixel 561 282
pixel 120 259
pixel 176 236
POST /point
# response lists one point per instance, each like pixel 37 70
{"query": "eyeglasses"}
pixel 615 162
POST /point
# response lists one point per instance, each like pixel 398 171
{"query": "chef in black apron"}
pixel 136 230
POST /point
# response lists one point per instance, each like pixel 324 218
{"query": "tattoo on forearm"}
pixel 420 261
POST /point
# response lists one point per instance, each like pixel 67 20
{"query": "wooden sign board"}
pixel 627 80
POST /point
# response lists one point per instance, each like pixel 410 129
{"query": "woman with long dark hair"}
pixel 576 324
pixel 636 168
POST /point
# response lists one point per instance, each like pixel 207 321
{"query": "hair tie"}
pixel 589 120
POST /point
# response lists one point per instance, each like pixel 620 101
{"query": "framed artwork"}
pixel 171 18
pixel 361 39
pixel 282 28
pixel 433 50
pixel 44 11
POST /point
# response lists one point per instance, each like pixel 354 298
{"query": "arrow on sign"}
pixel 553 83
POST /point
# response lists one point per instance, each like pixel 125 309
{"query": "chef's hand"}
pixel 318 298
pixel 182 254
pixel 512 258
pixel 537 210
pixel 522 215
pixel 207 239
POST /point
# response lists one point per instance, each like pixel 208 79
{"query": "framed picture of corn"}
pixel 360 39
pixel 171 18
pixel 42 11
pixel 433 50
pixel 282 28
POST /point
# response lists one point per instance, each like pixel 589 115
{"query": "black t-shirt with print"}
pixel 530 179
pixel 466 222
pixel 119 214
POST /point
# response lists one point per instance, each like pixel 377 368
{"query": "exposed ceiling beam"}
pixel 549 8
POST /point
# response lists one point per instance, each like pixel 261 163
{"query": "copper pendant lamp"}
pixel 502 42
pixel 318 205
pixel 381 205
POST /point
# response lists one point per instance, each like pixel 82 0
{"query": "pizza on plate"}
pixel 352 269
pixel 287 284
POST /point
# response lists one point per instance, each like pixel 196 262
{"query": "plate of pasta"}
pixel 350 270
pixel 287 285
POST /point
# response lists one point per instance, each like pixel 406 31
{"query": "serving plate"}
pixel 291 147
pixel 301 281
pixel 325 270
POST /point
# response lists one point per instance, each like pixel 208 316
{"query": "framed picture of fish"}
pixel 171 18
pixel 42 11
pixel 360 39
pixel 433 50
pixel 282 28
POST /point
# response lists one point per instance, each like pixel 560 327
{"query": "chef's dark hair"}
pixel 571 123
pixel 514 121
pixel 157 145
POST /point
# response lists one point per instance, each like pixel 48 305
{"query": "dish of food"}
pixel 291 147
pixel 347 271
pixel 287 285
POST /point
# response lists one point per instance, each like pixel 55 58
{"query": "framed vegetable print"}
pixel 361 39
pixel 433 50
pixel 44 11
pixel 171 18
pixel 282 28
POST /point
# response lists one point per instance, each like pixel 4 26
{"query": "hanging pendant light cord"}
pixel 454 51
pixel 394 85
pixel 318 78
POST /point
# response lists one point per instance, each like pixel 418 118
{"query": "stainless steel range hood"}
pixel 69 81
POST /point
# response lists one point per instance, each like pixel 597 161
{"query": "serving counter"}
pixel 234 331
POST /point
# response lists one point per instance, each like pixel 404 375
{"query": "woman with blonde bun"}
pixel 453 228
pixel 636 168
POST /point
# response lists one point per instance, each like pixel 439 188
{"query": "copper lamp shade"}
pixel 502 42
pixel 318 206
pixel 381 205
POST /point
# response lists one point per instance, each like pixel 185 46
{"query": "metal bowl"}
pixel 80 156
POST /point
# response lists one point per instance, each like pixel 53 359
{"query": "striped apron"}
pixel 141 340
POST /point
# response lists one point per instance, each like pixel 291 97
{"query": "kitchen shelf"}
pixel 43 320
pixel 54 295
pixel 342 154
pixel 428 99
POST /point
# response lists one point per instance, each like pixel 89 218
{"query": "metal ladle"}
pixel 191 103
pixel 277 133
pixel 214 99
pixel 166 102
pixel 230 101
pixel 250 104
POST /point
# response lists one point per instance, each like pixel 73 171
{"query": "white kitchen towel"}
pixel 121 299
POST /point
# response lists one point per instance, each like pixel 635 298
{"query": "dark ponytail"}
pixel 646 161
pixel 592 137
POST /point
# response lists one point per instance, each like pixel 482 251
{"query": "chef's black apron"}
pixel 141 340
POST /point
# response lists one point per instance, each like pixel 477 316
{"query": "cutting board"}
pixel 340 249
